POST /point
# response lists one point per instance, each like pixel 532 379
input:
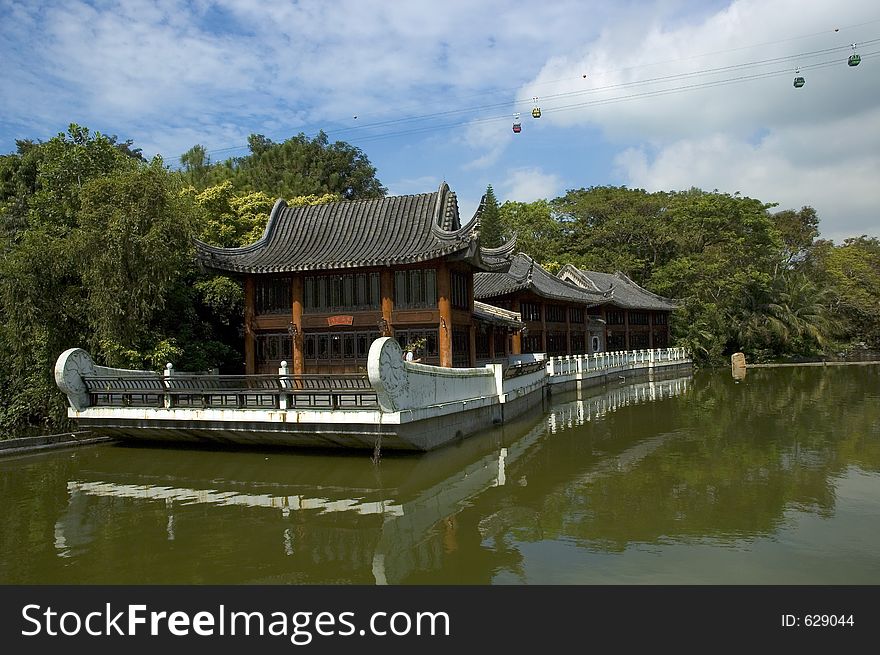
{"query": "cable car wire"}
pixel 361 127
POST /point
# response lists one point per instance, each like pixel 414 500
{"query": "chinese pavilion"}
pixel 324 281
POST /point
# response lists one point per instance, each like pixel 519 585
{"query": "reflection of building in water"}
pixel 591 408
pixel 384 525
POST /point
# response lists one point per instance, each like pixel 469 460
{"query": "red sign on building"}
pixel 339 320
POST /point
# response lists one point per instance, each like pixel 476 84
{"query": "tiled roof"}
pixel 526 273
pixel 360 233
pixel 497 315
pixel 623 291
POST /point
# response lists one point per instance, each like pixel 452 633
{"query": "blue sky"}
pixel 663 94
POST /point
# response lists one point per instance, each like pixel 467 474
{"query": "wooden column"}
pixel 516 339
pixel 544 328
pixel 472 328
pixel 568 331
pixel 250 362
pixel 651 330
pixel 492 329
pixel 299 365
pixel 626 325
pixel 386 290
pixel 444 304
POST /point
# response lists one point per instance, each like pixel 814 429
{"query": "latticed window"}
pixel 554 313
pixel 638 318
pixel 617 341
pixel 532 343
pixel 272 295
pixel 531 311
pixel 557 344
pixel 324 347
pixel 335 293
pixel 614 317
pixel 458 283
pixel 661 318
pixel 415 288
pixel 461 347
pixel 273 348
pixel 482 343
pixel 576 314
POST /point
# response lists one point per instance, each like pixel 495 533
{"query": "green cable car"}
pixel 799 82
pixel 854 59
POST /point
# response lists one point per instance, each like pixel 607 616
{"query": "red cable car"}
pixel 517 126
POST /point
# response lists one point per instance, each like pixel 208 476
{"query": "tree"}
pixel 134 240
pixel 537 231
pixel 298 166
pixel 615 228
pixel 798 231
pixel 852 273
pixel 491 235
pixel 42 301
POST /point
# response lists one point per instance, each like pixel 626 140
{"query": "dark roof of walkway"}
pixel 497 316
pixel 526 274
pixel 623 291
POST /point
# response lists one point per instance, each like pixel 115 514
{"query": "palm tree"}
pixel 792 313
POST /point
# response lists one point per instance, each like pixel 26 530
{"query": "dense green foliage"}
pixel 96 251
pixel 298 166
pixel 748 279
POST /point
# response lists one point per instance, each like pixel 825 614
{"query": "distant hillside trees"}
pixel 748 278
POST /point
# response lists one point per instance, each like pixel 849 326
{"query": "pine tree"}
pixel 491 230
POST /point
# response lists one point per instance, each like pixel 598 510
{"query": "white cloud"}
pixel 528 185
pixel 787 167
pixel 817 145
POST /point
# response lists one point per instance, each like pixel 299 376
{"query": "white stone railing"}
pixel 582 365
pixel 402 385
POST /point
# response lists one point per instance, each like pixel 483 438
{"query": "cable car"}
pixel 517 126
pixel 798 80
pixel 536 110
pixel 854 59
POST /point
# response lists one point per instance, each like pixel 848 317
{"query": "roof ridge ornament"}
pixel 445 215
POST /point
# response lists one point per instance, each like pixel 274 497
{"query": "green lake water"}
pixel 772 480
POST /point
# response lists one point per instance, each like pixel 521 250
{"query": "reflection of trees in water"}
pixel 33 494
pixel 722 463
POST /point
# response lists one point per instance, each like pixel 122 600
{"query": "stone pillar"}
pixel 168 373
pixel 283 372
pixel 250 362
pixel 298 337
pixel 444 304
pixel 386 290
